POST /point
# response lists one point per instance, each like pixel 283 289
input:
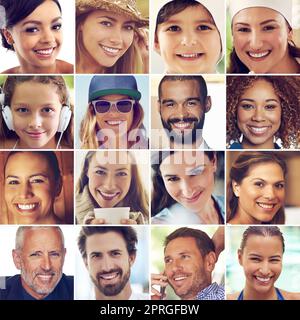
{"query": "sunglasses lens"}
pixel 102 106
pixel 124 106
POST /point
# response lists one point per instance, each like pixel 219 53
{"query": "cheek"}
pixel 124 186
pixel 128 38
pixel 172 190
pixel 242 116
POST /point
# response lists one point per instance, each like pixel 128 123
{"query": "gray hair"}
pixel 21 231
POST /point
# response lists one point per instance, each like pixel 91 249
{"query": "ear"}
pixel 235 188
pixel 8 36
pixel 16 258
pixel 156 44
pixel 290 34
pixel 240 257
pixel 58 187
pixel 132 259
pixel 85 263
pixel 214 163
pixel 210 261
pixel 158 106
pixel 207 104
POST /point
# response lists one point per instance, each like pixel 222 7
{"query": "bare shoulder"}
pixel 290 295
pixel 64 67
pixel 232 296
pixel 13 70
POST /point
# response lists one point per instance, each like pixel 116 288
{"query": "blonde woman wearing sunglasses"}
pixel 114 118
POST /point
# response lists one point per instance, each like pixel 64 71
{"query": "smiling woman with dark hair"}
pixel 33 29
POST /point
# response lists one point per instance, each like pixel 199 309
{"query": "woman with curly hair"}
pixel 263 111
pixel 256 189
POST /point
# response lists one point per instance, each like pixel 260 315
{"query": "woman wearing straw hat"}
pixel 263 37
pixel 110 37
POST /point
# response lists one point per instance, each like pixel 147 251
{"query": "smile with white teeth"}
pixel 109 49
pixel 258 130
pixel 114 122
pixel 109 276
pixel 266 206
pixel 109 195
pixel 182 125
pixel 258 54
pixel 45 52
pixel 180 278
pixel 44 277
pixel 25 207
pixel 189 55
pixel 263 279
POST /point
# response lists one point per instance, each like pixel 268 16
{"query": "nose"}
pixel 176 265
pixel 269 192
pixel 181 110
pixel 189 38
pixel 109 182
pixel 258 114
pixel 25 190
pixel 46 263
pixel 107 263
pixel 47 36
pixel 35 121
pixel 264 268
pixel 186 189
pixel 256 42
pixel 115 35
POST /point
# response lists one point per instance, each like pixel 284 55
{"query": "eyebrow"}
pixel 40 22
pixel 188 99
pixel 197 21
pixel 265 180
pixel 261 23
pixel 259 256
pixel 105 169
pixel 114 19
pixel 253 100
pixel 31 176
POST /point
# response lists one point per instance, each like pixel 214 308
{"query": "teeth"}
pixel 179 278
pixel 263 279
pixel 26 206
pixel 189 55
pixel 258 55
pixel 109 276
pixel 110 50
pixel 110 195
pixel 266 206
pixel 259 130
pixel 42 277
pixel 182 125
pixel 44 52
pixel 114 123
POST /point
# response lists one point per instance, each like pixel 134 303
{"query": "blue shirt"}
pixel 212 292
pixel 178 214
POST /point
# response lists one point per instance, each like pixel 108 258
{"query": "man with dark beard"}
pixel 190 256
pixel 108 254
pixel 182 104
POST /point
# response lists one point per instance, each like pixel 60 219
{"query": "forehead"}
pixel 47 10
pixel 119 17
pixel 105 242
pixel 268 171
pixel 35 163
pixel 260 86
pixel 257 15
pixel 180 245
pixel 263 245
pixel 178 89
pixel 42 239
pixel 111 161
pixel 184 160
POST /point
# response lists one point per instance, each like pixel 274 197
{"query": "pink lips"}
pixel 35 135
pixel 193 198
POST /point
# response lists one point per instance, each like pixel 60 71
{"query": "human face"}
pixel 29 189
pixel 108 263
pixel 113 121
pixel 40 260
pixel 260 194
pixel 106 36
pixel 36 111
pixel 109 183
pixel 261 259
pixel 37 39
pixel 189 41
pixel 190 183
pixel 260 39
pixel 185 268
pixel 259 115
pixel 182 109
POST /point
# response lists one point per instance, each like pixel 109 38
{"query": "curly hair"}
pixel 287 88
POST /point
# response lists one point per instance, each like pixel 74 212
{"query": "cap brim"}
pixel 136 95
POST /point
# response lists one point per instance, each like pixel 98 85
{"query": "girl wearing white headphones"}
pixel 35 113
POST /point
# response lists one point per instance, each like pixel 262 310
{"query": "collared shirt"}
pixel 212 292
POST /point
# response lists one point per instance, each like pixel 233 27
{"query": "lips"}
pixel 34 134
pixel 110 50
pixel 109 276
pixel 263 280
pixel 266 206
pixel 183 125
pixel 114 122
pixel 179 279
pixel 189 56
pixel 258 131
pixel 45 277
pixel 108 196
pixel 193 198
pixel 258 55
pixel 26 208
pixel 45 52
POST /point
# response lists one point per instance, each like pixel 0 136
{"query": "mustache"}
pixel 186 119
pixel 102 273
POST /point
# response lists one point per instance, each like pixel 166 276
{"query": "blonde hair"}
pixel 128 63
pixel 61 89
pixel 89 127
pixel 136 197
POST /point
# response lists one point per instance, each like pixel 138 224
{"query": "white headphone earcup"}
pixel 7 117
pixel 65 117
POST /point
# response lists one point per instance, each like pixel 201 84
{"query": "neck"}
pixel 123 295
pixel 251 294
pixel 209 214
pixel 26 68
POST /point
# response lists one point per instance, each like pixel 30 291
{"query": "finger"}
pixel 155 276
pixel 97 221
pixel 128 221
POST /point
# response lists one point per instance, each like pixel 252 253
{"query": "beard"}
pixel 186 136
pixel 111 289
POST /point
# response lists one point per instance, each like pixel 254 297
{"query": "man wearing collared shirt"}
pixel 182 104
pixel 190 259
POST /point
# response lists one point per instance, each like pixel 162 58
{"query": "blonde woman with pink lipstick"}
pixel 111 37
pixel 184 188
pixel 35 113
pixel 256 189
pixel 33 30
pixel 263 39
